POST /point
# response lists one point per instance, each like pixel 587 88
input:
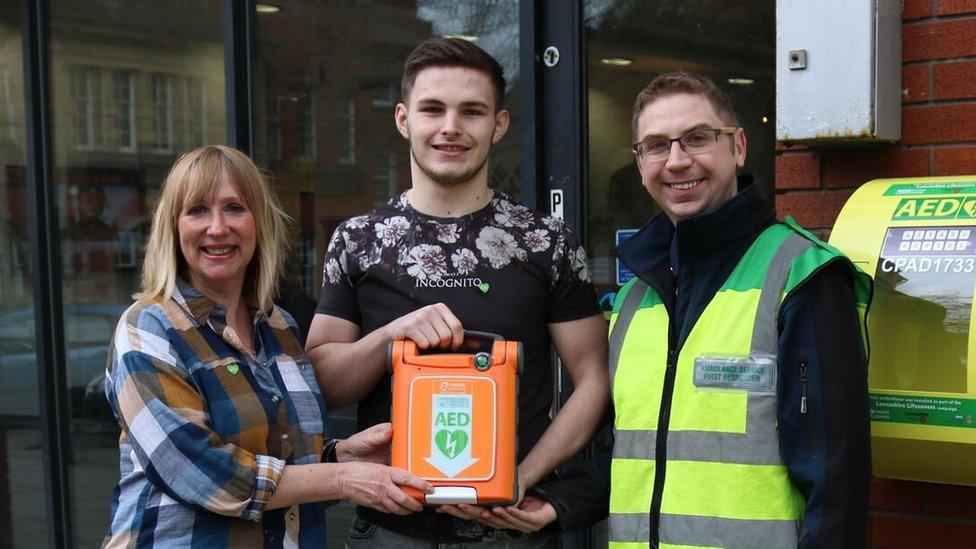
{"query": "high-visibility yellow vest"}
pixel 725 484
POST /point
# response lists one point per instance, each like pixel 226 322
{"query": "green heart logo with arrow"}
pixel 451 443
pixel 484 287
pixel 970 208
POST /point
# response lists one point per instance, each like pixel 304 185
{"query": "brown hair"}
pixel 194 176
pixel 673 83
pixel 452 52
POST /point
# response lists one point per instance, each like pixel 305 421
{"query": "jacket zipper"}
pixel 808 420
pixel 803 387
pixel 664 415
pixel 661 442
pixel 804 367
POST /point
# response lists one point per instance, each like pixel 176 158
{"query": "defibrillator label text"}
pixel 451 436
pixel 935 208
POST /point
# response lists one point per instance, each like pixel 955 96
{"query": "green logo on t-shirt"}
pixel 484 287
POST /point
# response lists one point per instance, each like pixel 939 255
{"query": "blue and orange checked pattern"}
pixel 207 428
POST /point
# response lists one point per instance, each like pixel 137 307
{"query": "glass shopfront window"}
pixel 133 85
pixel 326 79
pixel 627 45
pixel 22 511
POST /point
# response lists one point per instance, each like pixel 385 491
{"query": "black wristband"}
pixel 329 450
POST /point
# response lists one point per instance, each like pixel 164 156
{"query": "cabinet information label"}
pixel 917 410
pixel 921 189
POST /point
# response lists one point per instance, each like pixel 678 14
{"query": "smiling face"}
pixel 451 121
pixel 218 238
pixel 685 185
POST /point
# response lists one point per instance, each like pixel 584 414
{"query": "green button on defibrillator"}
pixel 482 361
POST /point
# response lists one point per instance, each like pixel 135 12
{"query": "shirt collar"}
pixel 202 308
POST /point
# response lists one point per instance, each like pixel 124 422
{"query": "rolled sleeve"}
pixel 267 472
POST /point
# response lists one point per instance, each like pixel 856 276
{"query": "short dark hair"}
pixel 673 83
pixel 452 52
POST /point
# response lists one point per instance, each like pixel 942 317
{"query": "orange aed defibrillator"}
pixel 455 416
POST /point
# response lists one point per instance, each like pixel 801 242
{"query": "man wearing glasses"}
pixel 737 354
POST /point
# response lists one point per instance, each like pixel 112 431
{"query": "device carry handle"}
pixel 482 340
pixel 469 336
pixel 484 336
pixel 411 349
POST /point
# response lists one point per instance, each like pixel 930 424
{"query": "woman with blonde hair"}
pixel 222 420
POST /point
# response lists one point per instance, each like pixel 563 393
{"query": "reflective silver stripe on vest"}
pixel 624 316
pixel 706 531
pixel 698 446
pixel 629 527
pixel 765 331
pixel 634 444
pixel 724 532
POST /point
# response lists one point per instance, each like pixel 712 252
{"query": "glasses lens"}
pixel 656 148
pixel 701 141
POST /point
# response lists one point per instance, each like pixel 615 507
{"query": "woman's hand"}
pixel 378 486
pixel 372 445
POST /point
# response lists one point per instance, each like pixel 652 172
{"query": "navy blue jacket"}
pixel 827 449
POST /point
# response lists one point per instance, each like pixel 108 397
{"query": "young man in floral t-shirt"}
pixel 451 254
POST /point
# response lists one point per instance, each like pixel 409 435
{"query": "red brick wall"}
pixel 938 138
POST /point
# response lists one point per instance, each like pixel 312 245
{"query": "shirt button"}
pixel 275 398
pixel 301 365
pixel 284 436
pixel 265 364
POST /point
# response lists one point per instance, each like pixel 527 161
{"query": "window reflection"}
pixel 327 77
pixel 628 44
pixel 22 515
pixel 133 86
pixel 924 293
pixel 125 113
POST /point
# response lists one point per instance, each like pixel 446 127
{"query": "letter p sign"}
pixel 556 203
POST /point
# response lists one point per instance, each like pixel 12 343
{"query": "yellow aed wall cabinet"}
pixel 917 238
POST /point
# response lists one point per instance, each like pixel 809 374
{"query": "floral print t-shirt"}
pixel 503 269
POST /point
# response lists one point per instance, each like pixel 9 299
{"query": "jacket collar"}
pixel 741 218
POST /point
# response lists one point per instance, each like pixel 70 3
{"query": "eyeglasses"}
pixel 696 142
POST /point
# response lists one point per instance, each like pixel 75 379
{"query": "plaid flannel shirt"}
pixel 207 428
